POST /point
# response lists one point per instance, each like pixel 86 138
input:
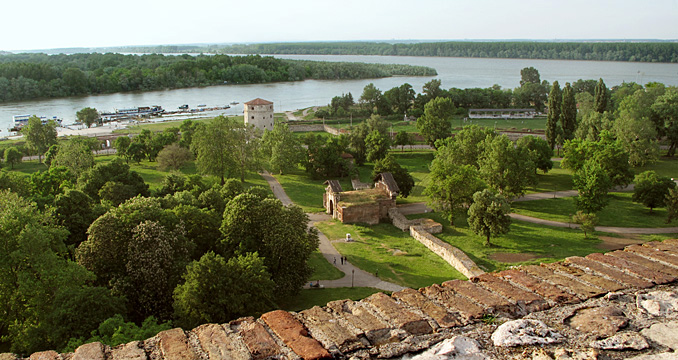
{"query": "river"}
pixel 453 72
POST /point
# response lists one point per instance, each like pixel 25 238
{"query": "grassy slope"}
pixel 309 298
pixel 323 270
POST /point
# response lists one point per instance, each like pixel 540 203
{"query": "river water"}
pixel 453 72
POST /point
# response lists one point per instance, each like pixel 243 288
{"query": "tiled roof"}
pixel 258 101
pixel 335 186
pixel 389 181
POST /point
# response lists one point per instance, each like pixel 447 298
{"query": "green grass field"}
pixel 322 269
pixel 621 211
pixel 389 253
pixel 309 298
pixel 543 243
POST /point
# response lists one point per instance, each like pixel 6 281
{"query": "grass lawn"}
pixel 322 269
pixel 621 211
pixel 543 243
pixel 309 298
pixel 557 179
pixel 390 253
pixel 664 167
pixel 504 124
pixel 307 192
pixel 157 126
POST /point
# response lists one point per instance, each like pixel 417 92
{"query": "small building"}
pixel 369 206
pixel 501 113
pixel 259 112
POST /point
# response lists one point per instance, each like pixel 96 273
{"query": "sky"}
pixel 45 24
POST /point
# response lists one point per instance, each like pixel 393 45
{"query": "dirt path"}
pixel 353 276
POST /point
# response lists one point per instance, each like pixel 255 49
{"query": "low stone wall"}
pixel 400 221
pixel 363 213
pixel 455 257
pixel 306 128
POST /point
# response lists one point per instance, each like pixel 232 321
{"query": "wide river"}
pixel 453 72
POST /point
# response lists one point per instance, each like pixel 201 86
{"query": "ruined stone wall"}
pixel 384 206
pixel 307 128
pixel 453 256
pixel 364 213
pixel 619 305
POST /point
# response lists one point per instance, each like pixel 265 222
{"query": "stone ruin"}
pixel 619 305
pixel 368 206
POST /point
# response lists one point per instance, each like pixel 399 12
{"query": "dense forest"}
pixel 33 76
pixel 616 51
pixel 604 51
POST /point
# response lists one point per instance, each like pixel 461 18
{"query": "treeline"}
pixel 33 76
pixel 603 51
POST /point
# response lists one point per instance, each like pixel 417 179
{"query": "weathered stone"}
pixel 599 281
pixel 664 334
pixel 538 286
pixel 258 341
pixel 640 260
pixel 639 270
pixel 457 348
pixel 663 246
pixel 576 354
pixel 525 300
pixel 8 356
pixel 494 303
pixel 654 254
pixel 326 328
pixel 294 335
pixel 45 355
pixel 524 332
pixel 91 351
pixel 174 345
pixel 355 314
pixel 441 316
pixel 599 321
pixel 218 344
pixel 129 351
pixel 398 314
pixel 578 288
pixel 659 303
pixel 454 302
pixel 662 356
pixel 622 341
pixel 615 274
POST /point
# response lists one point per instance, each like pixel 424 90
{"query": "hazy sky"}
pixel 40 24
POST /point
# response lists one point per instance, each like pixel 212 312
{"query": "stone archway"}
pixel 332 208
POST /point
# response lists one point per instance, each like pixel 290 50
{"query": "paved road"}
pixel 353 276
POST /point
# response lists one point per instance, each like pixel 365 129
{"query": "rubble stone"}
pixel 622 341
pixel 659 303
pixel 662 356
pixel 174 345
pixel 91 351
pixel 328 330
pixel 220 345
pixel 294 335
pixel 45 355
pixel 398 314
pixel 600 321
pixel 457 348
pixel 524 332
pixel 664 334
pixel 441 316
pixel 129 351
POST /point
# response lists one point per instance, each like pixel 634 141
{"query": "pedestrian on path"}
pixel 335 260
pixel 342 260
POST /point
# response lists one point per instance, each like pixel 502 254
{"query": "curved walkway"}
pixel 353 276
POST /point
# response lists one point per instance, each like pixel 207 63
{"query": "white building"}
pixel 259 112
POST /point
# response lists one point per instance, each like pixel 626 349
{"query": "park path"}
pixel 353 276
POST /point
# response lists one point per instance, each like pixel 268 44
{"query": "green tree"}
pixel 13 156
pixel 202 227
pixel 51 154
pixel 489 215
pixel 568 113
pixel 74 210
pixel 122 145
pixel 281 148
pixel 529 75
pixel 592 124
pixel 635 129
pixel 216 290
pixel 279 234
pixel 587 222
pixel 601 97
pixel 672 205
pixel 555 100
pixel 401 98
pixel 436 123
pixel 401 176
pixel 370 97
pixel 377 145
pixel 39 137
pixel 115 331
pixel 506 168
pixel 539 150
pixel 94 179
pixel 607 152
pixel 75 155
pixel 452 186
pixel 173 157
pixel 666 108
pixel 140 250
pixel 592 184
pixel 466 147
pixel 402 139
pixel 324 158
pixel 87 116
pixel 651 189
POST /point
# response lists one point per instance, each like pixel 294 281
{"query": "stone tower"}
pixel 259 112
